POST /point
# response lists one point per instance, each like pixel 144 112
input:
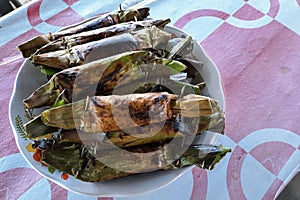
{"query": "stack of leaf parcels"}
pixel 123 97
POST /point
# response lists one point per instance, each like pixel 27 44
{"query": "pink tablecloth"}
pixel 256 47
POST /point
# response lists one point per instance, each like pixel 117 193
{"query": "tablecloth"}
pixel 255 44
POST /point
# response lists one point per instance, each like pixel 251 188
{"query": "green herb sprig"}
pixel 20 127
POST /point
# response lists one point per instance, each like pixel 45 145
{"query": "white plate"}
pixel 29 78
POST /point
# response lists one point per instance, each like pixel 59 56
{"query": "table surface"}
pixel 255 45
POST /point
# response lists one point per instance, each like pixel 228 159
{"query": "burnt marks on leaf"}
pixel 97 102
pixel 67 78
pixel 109 79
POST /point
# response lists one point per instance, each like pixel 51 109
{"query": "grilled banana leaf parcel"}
pixel 95 50
pixel 29 47
pixel 102 76
pixel 122 112
pixel 85 37
pixel 99 113
pixel 79 162
pixel 123 97
pixel 161 132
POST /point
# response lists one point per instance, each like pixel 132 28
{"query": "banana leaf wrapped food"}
pixel 76 157
pixel 106 165
pixel 97 34
pixel 98 49
pixel 92 159
pixel 29 47
pixel 102 76
pixel 111 116
pixel 154 133
pixel 119 112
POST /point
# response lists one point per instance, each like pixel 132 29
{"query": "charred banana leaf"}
pixel 154 133
pixel 112 113
pixel 77 161
pixel 102 76
pixel 29 47
pixel 148 37
pixel 85 37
